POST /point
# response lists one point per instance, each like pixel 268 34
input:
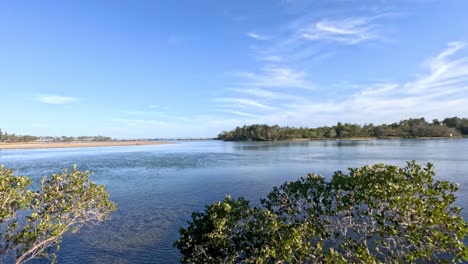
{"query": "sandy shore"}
pixel 37 145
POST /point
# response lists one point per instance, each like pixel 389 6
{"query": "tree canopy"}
pixel 378 213
pixel 32 222
pixel 410 128
pixel 13 138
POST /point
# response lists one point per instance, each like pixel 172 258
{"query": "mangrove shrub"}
pixel 377 213
pixel 33 222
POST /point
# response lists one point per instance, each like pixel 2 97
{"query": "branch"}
pixel 34 250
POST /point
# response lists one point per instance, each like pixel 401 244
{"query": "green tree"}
pixel 409 128
pixel 461 124
pixel 374 214
pixel 331 133
pixel 33 221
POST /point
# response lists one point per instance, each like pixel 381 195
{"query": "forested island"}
pixel 409 128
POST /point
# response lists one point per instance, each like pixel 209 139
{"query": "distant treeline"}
pixel 13 138
pixel 410 128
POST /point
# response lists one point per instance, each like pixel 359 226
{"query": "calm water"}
pixel 157 187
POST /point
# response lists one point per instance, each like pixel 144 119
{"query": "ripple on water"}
pixel 157 187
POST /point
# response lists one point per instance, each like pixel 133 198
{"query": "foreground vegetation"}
pixel 411 128
pixel 32 222
pixel 376 213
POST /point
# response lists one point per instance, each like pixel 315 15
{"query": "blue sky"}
pixel 131 69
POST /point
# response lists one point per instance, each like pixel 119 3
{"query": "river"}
pixel 157 187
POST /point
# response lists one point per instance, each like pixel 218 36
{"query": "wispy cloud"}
pixel 256 92
pixel 241 102
pixel 266 94
pixel 275 77
pixel 379 89
pixel 284 60
pixel 304 39
pixel 444 74
pixel 56 99
pixel 271 58
pixel 350 30
pixel 256 36
pixel 440 90
pixel 382 101
pixel 239 113
pixel 282 77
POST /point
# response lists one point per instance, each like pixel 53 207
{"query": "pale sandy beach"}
pixel 37 145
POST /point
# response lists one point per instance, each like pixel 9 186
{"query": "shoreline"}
pixel 88 144
pixel 343 139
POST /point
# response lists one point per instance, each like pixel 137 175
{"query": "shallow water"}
pixel 157 187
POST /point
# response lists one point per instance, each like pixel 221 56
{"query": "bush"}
pixel 32 222
pixel 376 213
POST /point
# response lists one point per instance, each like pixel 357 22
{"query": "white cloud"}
pixel 351 30
pixel 242 102
pixel 302 40
pixel 271 58
pixel 239 113
pixel 275 77
pixel 56 99
pixel 256 36
pixel 282 79
pixel 444 75
pixel 286 59
pixel 441 90
pixel 256 92
pixel 266 94
pixel 379 89
pixel 380 102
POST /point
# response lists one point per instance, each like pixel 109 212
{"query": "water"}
pixel 157 187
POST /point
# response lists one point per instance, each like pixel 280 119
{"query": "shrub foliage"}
pixel 376 213
pixel 32 223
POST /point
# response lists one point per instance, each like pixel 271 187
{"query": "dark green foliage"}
pixel 32 223
pixel 220 216
pixel 374 214
pixel 460 124
pixel 411 128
